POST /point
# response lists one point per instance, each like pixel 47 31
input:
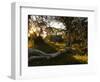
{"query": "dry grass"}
pixel 83 58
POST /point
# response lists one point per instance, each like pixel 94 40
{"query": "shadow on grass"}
pixel 40 44
pixel 65 58
pixel 62 59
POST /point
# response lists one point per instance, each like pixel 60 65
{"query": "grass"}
pixel 44 46
pixel 58 46
pixel 82 58
pixel 62 59
pixel 71 56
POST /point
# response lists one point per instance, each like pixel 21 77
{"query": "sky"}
pixel 52 22
pixel 57 24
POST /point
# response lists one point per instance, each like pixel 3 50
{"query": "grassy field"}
pixel 68 56
pixel 62 59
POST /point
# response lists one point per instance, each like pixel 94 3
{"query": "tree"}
pixel 76 28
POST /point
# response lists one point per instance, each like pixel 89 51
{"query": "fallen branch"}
pixel 41 54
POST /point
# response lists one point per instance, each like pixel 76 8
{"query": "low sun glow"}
pixel 57 40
